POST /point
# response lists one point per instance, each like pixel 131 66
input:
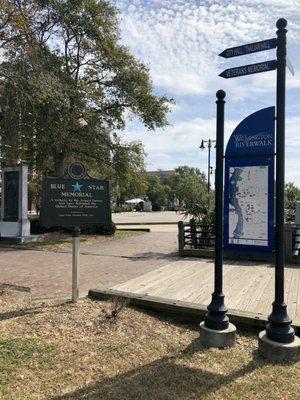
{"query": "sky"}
pixel 179 41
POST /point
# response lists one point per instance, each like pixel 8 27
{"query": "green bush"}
pixel 36 228
pixel 123 208
pixel 106 230
pixel 139 207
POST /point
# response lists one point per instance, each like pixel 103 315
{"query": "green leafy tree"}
pixel 67 84
pixel 188 188
pixel 292 194
pixel 191 191
pixel 127 172
pixel 157 192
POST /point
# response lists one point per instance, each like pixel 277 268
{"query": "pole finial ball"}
pixel 220 94
pixel 281 23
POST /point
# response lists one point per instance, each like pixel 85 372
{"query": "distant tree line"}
pixel 185 188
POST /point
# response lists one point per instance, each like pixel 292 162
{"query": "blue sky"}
pixel 179 40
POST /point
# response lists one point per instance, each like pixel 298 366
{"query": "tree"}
pixel 189 189
pixel 67 84
pixel 156 192
pixel 128 168
pixel 292 194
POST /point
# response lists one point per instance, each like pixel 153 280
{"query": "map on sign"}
pixel 248 205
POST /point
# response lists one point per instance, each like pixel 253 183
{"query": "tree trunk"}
pixel 59 164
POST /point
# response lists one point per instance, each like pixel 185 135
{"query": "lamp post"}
pixel 217 312
pixel 209 144
pixel 216 330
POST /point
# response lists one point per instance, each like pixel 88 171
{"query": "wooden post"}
pixel 75 264
pixel 288 242
pixel 193 232
pixel 181 238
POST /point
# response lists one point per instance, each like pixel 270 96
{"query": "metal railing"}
pixel 296 241
pixel 199 239
pixel 197 236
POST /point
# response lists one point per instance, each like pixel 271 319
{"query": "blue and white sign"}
pixel 249 184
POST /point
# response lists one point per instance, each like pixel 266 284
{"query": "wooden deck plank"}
pixel 185 284
pixel 248 286
pixel 264 305
pixel 235 283
pixel 253 287
pixel 256 296
pixel 155 275
pixel 170 280
pixel 204 293
pixel 292 295
pixel 297 314
pixel 297 317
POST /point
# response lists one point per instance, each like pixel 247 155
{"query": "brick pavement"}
pixel 49 273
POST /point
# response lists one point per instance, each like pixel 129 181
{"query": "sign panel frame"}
pixel 61 205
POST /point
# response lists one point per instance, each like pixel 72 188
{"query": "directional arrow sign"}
pixel 249 48
pixel 249 69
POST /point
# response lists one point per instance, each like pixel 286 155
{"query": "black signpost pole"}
pixel 75 264
pixel 216 318
pixel 279 328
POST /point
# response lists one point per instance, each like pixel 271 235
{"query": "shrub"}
pixel 108 229
pixel 123 208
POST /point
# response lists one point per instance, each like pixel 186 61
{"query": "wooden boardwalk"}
pixel 248 286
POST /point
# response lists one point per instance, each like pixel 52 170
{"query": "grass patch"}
pixel 16 352
pixel 55 241
pixel 73 351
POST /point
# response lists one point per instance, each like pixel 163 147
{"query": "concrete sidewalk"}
pixel 152 228
pixel 155 217
pixel 49 273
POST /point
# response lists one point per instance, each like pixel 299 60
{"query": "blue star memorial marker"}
pixel 77 187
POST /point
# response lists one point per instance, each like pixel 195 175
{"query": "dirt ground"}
pixel 108 350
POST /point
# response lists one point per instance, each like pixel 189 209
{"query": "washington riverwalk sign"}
pixel 75 201
pixel 249 184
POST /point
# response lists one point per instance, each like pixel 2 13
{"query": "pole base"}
pixel 277 351
pixel 279 329
pixel 215 338
pixel 216 318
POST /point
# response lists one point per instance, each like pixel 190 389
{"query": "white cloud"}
pixel 181 40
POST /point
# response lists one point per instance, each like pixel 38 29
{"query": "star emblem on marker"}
pixel 77 187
